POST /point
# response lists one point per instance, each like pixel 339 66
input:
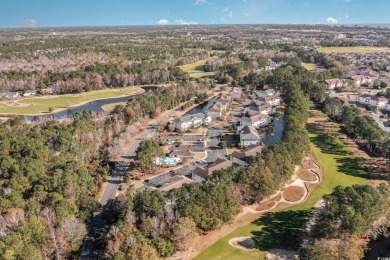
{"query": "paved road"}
pixel 88 251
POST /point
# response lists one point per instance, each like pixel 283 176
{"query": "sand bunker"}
pixel 293 193
pixel 244 243
pixel 306 175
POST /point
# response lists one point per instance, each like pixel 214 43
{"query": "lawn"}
pixel 39 105
pixel 281 229
pixel 192 67
pixel 309 66
pixel 356 49
pixel 198 68
pixel 110 107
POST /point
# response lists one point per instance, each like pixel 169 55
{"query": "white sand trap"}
pixel 281 254
pixel 244 243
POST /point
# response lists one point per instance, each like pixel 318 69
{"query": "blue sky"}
pixel 149 12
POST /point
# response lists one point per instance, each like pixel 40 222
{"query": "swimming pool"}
pixel 167 161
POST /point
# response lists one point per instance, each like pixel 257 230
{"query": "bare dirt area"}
pixel 293 193
pixel 266 205
pixel 306 175
pixel 244 243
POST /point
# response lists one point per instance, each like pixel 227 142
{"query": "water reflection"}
pixel 274 134
pixel 95 106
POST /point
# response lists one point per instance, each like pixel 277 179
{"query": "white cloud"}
pixel 201 2
pixel 181 21
pixel 347 16
pixel 332 20
pixel 226 9
pixel 246 14
pixel 230 14
pixel 163 22
pixel 29 23
pixel 347 1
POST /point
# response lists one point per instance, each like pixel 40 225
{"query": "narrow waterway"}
pixel 274 134
pixel 201 108
pixel 95 106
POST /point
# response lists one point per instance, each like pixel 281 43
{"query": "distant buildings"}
pixel 331 84
pixel 339 36
pixel 373 101
pixel 28 93
pixel 361 79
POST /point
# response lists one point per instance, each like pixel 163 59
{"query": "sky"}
pixel 34 13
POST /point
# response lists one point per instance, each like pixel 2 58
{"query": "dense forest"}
pixel 349 216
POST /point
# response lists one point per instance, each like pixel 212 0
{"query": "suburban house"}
pixel 361 79
pixel 256 121
pixel 186 122
pixel 267 93
pixel 181 154
pixel 214 112
pixel 387 106
pixel 259 101
pixel 374 101
pixel 241 157
pixel 12 95
pixel 223 101
pixel 246 102
pixel 220 105
pixel 177 182
pixel 200 174
pixel 248 136
pixel 235 93
pixel 331 84
pixel 272 100
pixel 263 109
pixel 388 67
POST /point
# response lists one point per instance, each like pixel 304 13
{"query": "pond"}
pixel 274 134
pixel 95 106
pixel 201 108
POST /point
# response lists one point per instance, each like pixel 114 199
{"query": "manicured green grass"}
pixel 281 229
pixel 197 66
pixel 39 105
pixel 309 66
pixel 203 75
pixel 110 107
pixel 355 49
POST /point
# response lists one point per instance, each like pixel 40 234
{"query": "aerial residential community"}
pixel 248 130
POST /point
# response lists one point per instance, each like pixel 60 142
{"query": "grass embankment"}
pixel 354 49
pixel 39 105
pixel 280 229
pixel 309 66
pixel 110 107
pixel 198 68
